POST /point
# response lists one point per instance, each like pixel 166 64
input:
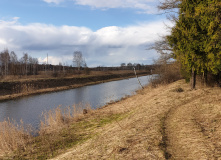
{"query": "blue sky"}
pixel 108 32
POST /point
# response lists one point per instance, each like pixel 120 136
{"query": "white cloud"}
pixel 107 46
pixel 2 42
pixel 13 21
pixel 54 1
pixel 55 59
pixel 147 6
pixel 140 4
pixel 131 35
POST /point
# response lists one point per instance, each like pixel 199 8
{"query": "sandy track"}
pixel 161 123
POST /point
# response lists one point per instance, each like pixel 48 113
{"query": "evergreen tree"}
pixel 185 39
pixel 210 13
pixel 195 38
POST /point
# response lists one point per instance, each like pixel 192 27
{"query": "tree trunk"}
pixel 205 79
pixel 193 83
pixel 218 80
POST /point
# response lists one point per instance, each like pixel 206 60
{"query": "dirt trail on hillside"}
pixel 186 128
pixel 160 123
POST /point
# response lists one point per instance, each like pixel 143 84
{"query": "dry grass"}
pixel 13 136
pixel 193 127
pixel 167 122
pixel 18 141
pixel 132 136
pixel 166 73
pixel 55 120
pixel 157 123
pixel 49 75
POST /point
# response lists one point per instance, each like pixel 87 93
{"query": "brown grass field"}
pixel 49 75
pixel 166 122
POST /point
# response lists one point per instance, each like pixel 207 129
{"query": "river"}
pixel 30 108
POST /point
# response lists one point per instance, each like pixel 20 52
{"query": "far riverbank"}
pixel 14 89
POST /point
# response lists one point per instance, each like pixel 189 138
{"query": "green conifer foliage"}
pixel 196 36
pixel 210 13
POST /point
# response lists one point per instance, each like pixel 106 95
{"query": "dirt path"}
pixel 186 137
pixel 160 123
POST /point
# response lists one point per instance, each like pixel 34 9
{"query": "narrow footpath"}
pixel 167 122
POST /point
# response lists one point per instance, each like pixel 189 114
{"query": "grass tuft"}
pixel 179 90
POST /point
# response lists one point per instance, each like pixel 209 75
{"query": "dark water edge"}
pixel 18 87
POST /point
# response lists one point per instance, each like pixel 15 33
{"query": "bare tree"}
pixel 33 62
pixel 5 59
pixel 78 59
pixel 24 64
pixel 13 57
pixel 168 5
pixel 13 63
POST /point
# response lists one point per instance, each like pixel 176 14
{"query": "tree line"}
pixel 11 65
pixel 195 38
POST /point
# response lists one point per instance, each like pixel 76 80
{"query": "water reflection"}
pixel 29 109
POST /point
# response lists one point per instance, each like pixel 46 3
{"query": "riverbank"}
pixel 14 89
pixel 167 122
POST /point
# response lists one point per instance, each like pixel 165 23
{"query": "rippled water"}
pixel 30 109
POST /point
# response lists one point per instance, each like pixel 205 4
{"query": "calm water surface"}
pixel 30 109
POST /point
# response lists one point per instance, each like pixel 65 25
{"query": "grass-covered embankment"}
pixel 167 122
pixel 59 130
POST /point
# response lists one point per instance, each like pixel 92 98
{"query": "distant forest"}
pixel 27 65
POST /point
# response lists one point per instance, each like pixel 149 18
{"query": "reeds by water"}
pixel 53 120
pixel 13 136
pixel 16 137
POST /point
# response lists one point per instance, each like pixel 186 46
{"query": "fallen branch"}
pixel 138 78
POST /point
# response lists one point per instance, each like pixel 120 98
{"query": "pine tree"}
pixel 210 13
pixel 195 38
pixel 186 40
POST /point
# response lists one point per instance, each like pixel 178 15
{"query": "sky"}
pixel 107 32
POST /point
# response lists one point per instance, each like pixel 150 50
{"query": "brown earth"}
pixel 167 122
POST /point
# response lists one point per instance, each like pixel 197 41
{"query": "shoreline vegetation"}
pixel 11 89
pixel 165 120
pixel 162 122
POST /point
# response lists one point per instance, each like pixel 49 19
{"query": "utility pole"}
pixel 47 62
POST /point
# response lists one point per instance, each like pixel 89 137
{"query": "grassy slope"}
pixel 166 122
pixel 162 123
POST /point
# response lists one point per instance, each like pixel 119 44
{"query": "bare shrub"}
pixel 13 136
pixel 167 71
pixel 87 71
pixel 54 120
pixel 178 90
